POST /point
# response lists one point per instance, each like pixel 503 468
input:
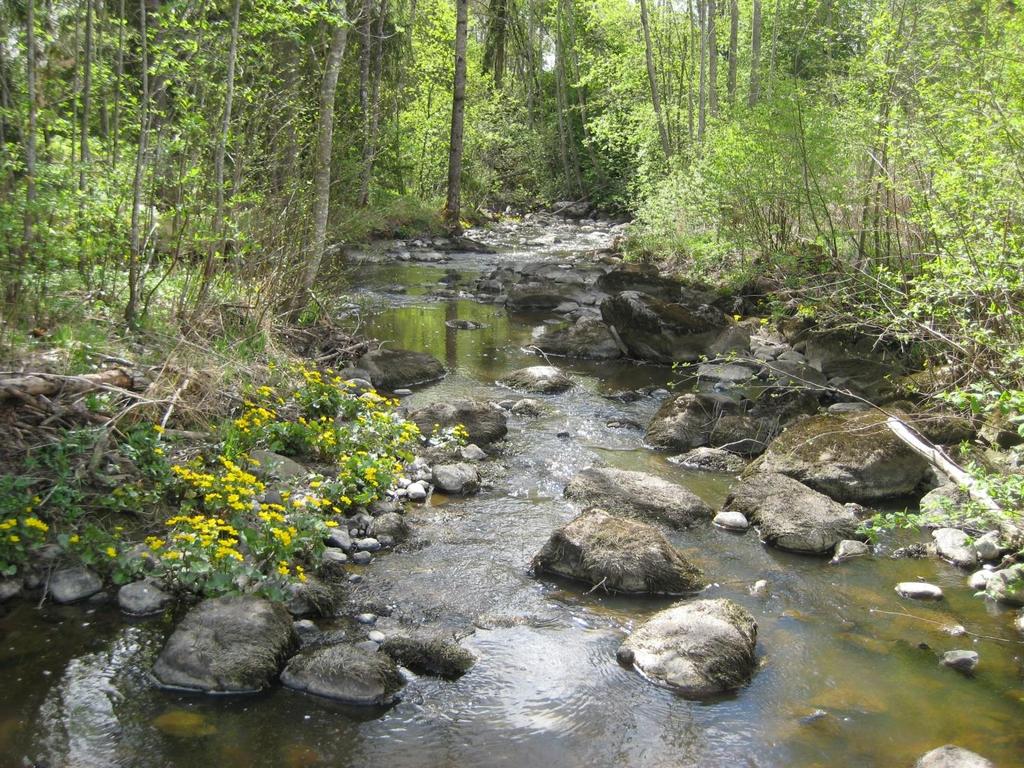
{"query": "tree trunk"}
pixel 370 140
pixel 218 236
pixel 652 78
pixel 14 286
pixel 322 177
pixel 734 34
pixel 703 89
pixel 135 240
pixel 86 97
pixel 453 206
pixel 118 76
pixel 755 56
pixel 712 59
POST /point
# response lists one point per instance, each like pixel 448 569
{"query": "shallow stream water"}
pixel 848 673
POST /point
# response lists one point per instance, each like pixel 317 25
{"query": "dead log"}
pixel 49 384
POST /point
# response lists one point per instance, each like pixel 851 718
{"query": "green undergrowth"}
pixel 206 517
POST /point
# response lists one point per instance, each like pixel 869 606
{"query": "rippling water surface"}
pixel 848 672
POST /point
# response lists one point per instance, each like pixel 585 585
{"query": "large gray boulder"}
pixel 391 369
pixel 588 338
pixel 539 295
pixel 344 673
pixel 69 585
pixel 790 515
pixel 660 331
pixel 542 379
pixel 618 554
pixel 954 545
pixel 484 423
pixel 638 495
pixel 951 756
pixel 850 458
pixel 226 645
pixel 460 479
pixel 699 648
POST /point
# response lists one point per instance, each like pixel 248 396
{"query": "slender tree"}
pixel 712 58
pixel 652 79
pixel 324 150
pixel 452 208
pixel 734 34
pixel 755 56
pixel 218 234
pixel 131 310
pixel 84 155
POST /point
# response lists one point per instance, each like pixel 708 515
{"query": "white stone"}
pixel 733 521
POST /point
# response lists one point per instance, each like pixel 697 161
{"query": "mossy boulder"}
pixel 638 495
pixel 391 369
pixel 226 645
pixel 587 338
pixel 791 516
pixel 698 649
pixel 849 457
pixel 619 555
pixel 344 673
pixel 426 655
pixel 485 423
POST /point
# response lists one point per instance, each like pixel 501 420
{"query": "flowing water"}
pixel 848 673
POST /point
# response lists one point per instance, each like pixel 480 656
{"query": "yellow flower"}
pixel 282 568
pixel 14 538
pixel 74 538
pixel 111 552
pixel 158 429
pixel 35 522
pixel 158 451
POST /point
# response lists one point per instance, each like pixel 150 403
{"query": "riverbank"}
pixel 842 662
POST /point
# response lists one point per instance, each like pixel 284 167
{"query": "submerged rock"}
pixel 226 645
pixel 429 655
pixel 951 756
pixel 852 458
pixel 542 379
pixel 638 495
pixel 484 423
pixel 70 585
pixel 344 673
pixel 395 368
pixel 699 648
pixel 711 460
pixel 790 515
pixel 964 662
pixel 618 555
pixel 460 479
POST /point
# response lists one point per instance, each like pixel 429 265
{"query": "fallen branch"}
pixel 935 456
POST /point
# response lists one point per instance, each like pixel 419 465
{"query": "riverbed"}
pixel 848 671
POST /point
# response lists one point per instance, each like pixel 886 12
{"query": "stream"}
pixel 848 671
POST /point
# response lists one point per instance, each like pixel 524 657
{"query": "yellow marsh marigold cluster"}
pixel 18 536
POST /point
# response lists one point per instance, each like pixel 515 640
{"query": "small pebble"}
pixel 367 618
pixel 377 636
pixel 355 578
pixel 962 661
pixel 402 392
pixel 760 587
pixel 362 558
